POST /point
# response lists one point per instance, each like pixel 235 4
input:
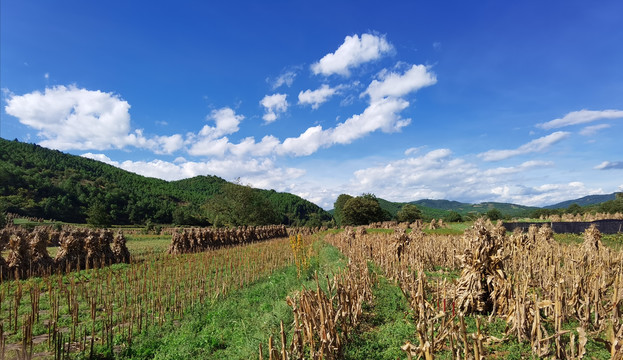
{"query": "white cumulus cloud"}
pixel 383 114
pixel 439 175
pixel 226 120
pixel 353 52
pixel 397 85
pixel 73 118
pixel 581 117
pixel 274 105
pixel 307 143
pixel 536 145
pixel 316 97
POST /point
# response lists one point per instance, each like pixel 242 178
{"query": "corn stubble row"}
pixel 80 310
pixel 323 320
pixel 536 285
pixel 78 249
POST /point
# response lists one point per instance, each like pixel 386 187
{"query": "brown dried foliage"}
pixel 530 281
pixel 323 320
pixel 194 240
pixel 79 249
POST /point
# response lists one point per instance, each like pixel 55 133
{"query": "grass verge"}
pixel 385 326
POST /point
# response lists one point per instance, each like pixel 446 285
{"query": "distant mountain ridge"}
pixel 439 208
pixel 481 208
pixel 583 201
pixel 433 208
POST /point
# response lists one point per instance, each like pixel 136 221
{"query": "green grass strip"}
pixel 386 325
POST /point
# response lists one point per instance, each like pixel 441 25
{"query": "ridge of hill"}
pixel 583 201
pixel 39 182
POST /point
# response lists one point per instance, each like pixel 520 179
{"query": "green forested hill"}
pixel 441 208
pixel 428 212
pixel 39 182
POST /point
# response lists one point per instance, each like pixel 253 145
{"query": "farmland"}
pixel 335 294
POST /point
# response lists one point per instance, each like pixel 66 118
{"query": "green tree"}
pixel 408 213
pixel 612 206
pixel 574 209
pixel 453 216
pixel 494 214
pixel 362 210
pixel 338 208
pixel 97 215
pixel 238 205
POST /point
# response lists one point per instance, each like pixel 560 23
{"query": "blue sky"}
pixel 472 101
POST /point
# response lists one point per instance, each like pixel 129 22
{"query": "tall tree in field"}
pixel 238 205
pixel 362 210
pixel 494 214
pixel 338 208
pixel 408 213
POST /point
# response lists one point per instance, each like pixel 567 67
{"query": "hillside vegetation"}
pixel 38 182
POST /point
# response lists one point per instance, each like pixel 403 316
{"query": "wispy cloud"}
pixel 610 165
pixel 352 53
pixel 536 145
pixel 286 78
pixel 581 117
pixel 593 130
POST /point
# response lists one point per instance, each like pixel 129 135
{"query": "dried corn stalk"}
pixel 483 286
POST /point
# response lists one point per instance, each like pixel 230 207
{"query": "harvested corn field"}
pixel 486 293
pixel 555 298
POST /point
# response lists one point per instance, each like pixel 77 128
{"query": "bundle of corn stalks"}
pixel 400 240
pixel 41 262
pixel 483 286
pixel 417 224
pixel 71 254
pixel 592 240
pixel 120 250
pixel 18 258
pixel 4 241
pixel 97 249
